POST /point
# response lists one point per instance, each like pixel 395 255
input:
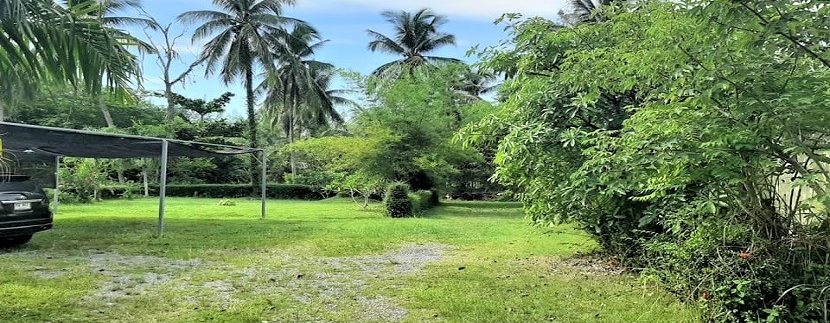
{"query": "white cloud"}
pixel 476 9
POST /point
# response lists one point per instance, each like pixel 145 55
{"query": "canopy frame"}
pixel 36 144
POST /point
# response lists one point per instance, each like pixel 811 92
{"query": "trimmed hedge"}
pixel 274 191
pixel 397 202
pixel 423 201
pixel 401 203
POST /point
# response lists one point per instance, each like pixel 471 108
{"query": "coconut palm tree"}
pixel 42 42
pixel 585 11
pixel 105 12
pixel 474 83
pixel 415 36
pixel 320 114
pixel 241 35
pixel 297 96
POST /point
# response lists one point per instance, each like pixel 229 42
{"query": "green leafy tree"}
pixel 405 135
pixel 66 107
pixel 689 139
pixel 356 164
pixel 415 35
pixel 201 107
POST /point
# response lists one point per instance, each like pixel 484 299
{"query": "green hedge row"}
pixel 274 191
pixel 401 203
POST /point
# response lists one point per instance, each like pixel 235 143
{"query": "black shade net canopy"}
pixel 22 143
pixel 23 140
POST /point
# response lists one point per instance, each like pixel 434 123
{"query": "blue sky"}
pixel 344 24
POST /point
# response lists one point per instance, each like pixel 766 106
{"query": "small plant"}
pixel 227 202
pixel 397 202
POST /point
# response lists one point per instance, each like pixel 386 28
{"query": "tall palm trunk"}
pixel 252 127
pixel 292 126
pixel 105 111
pixel 288 104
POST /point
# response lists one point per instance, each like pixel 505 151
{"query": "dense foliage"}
pixel 404 135
pixel 688 137
pixel 423 200
pixel 43 42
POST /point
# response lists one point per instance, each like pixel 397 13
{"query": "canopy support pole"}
pixel 263 160
pixel 162 187
pixel 57 183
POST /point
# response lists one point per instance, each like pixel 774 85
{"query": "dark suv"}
pixel 24 210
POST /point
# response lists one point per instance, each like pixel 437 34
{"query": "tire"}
pixel 14 241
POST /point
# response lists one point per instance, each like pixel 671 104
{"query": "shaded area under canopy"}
pixel 29 144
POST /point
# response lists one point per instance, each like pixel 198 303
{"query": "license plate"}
pixel 24 206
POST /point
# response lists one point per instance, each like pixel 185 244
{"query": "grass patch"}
pixel 326 260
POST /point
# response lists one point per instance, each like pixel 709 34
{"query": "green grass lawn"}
pixel 315 261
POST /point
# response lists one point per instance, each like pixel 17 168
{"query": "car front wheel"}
pixel 14 241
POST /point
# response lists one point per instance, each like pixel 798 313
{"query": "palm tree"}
pixel 414 37
pixel 321 115
pixel 103 11
pixel 583 11
pixel 474 83
pixel 44 42
pixel 241 40
pixel 297 94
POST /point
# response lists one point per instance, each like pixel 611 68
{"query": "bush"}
pixel 423 200
pixel 397 202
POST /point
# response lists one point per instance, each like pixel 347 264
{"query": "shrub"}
pixel 423 200
pixel 397 202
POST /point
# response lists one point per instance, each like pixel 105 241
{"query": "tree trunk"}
pixel 105 111
pixel 290 141
pixel 252 126
pixel 146 182
pixel 2 111
pixel 120 172
pixel 171 108
pixel 292 117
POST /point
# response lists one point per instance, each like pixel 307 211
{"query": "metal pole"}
pixel 263 161
pixel 162 187
pixel 57 183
